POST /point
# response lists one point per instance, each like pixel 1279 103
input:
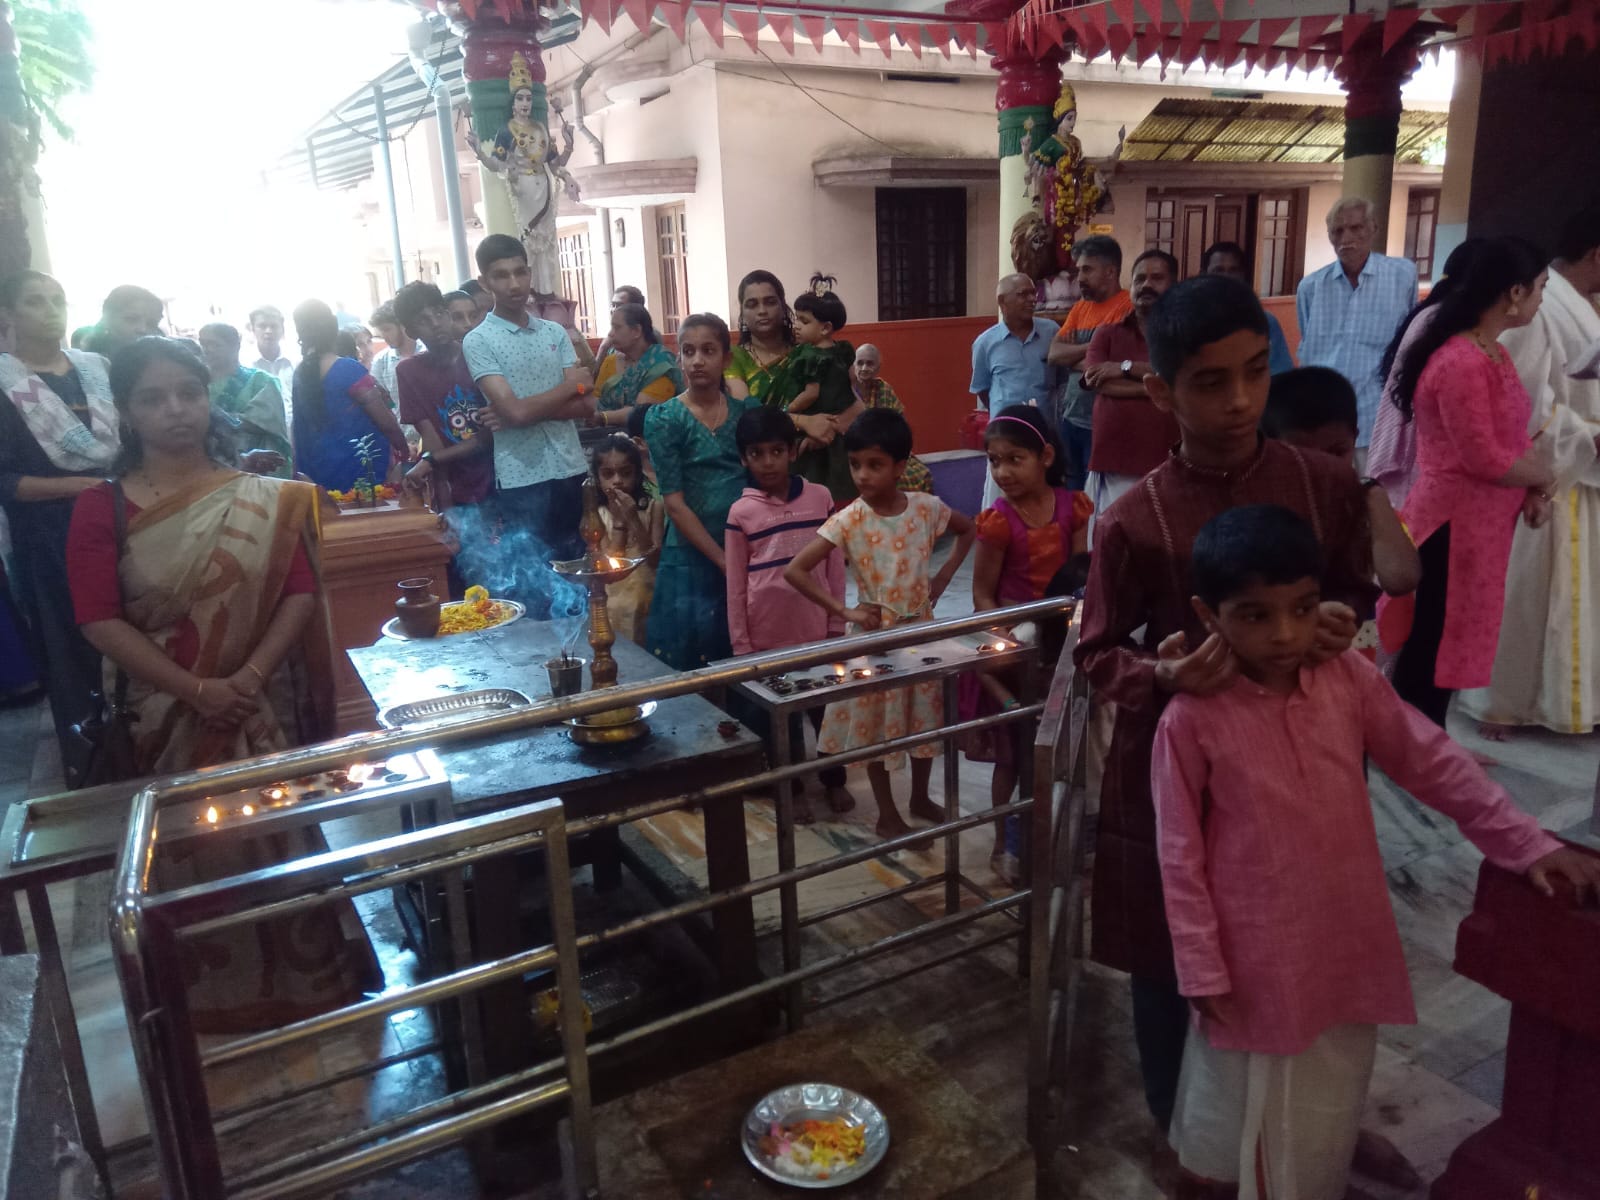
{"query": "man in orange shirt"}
pixel 1104 302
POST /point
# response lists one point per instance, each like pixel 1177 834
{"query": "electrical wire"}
pixel 793 82
pixel 437 57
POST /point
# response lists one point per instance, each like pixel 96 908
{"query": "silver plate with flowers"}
pixel 815 1135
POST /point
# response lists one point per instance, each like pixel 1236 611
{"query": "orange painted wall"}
pixel 1282 307
pixel 929 364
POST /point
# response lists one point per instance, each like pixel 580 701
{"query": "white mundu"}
pixel 1547 667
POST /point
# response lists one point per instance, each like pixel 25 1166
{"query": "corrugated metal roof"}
pixel 1253 131
pixel 337 151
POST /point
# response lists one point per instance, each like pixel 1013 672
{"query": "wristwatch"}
pixel 1127 368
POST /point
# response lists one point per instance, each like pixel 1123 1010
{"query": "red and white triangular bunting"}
pixel 815 28
pixel 782 24
pixel 748 24
pixel 711 20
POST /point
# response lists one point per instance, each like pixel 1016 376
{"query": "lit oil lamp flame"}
pixel 999 645
pixel 275 793
pixel 212 815
pixel 616 564
pixel 360 772
pixel 249 810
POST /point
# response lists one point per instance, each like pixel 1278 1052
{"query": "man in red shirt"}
pixel 1131 435
pixel 437 395
pixel 1104 302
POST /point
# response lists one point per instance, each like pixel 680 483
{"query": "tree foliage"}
pixel 53 46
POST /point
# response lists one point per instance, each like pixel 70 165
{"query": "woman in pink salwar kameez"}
pixel 1476 472
pixel 1392 455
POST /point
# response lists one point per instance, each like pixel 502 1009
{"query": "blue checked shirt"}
pixel 1348 328
pixel 1011 370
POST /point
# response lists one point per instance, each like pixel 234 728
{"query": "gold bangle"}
pixel 257 672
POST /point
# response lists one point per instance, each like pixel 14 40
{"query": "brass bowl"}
pixel 582 570
pixel 613 727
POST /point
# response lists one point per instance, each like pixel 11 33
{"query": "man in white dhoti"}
pixel 1547 667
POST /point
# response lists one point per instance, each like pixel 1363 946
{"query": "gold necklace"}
pixel 1045 516
pixel 766 362
pixel 712 418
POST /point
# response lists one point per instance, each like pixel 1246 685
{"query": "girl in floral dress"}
pixel 887 536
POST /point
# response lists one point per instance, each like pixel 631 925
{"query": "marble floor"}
pixel 1436 1081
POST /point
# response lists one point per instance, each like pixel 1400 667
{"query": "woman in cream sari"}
pixel 58 436
pixel 196 583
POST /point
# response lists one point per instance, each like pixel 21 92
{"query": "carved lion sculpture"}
pixel 1031 250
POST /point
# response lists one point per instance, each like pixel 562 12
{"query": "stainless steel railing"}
pixel 148 925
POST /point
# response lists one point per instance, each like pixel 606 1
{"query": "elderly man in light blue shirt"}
pixel 1350 309
pixel 1009 361
pixel 527 370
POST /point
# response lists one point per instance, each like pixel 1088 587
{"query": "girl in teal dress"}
pixel 700 475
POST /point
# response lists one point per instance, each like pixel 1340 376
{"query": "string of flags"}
pixel 1495 32
pixel 1135 31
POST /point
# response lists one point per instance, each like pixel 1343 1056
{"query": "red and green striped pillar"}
pixel 1372 79
pixel 1027 89
pixel 487 46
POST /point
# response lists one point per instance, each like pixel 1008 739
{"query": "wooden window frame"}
pixel 672 264
pixel 921 239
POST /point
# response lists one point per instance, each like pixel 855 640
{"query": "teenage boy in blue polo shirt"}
pixel 527 370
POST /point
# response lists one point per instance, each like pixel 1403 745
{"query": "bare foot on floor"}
pixel 926 810
pixel 888 829
pixel 1378 1158
pixel 1494 733
pixel 802 811
pixel 840 800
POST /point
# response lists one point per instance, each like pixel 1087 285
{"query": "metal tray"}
pixel 459 707
pixel 817 1101
pixel 391 627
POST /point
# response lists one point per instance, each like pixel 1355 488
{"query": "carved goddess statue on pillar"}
pixel 1068 189
pixel 522 155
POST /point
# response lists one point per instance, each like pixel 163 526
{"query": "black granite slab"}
pixel 545 762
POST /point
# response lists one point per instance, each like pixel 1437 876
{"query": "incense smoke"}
pixel 514 564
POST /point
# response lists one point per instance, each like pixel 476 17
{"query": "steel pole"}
pixel 387 167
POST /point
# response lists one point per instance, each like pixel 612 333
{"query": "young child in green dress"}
pixel 820 368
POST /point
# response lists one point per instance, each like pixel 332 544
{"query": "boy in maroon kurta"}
pixel 1141 641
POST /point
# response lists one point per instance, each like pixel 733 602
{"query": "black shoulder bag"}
pixel 109 730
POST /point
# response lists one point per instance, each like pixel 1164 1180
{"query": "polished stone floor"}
pixel 1436 1082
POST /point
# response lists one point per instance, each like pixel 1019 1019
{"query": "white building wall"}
pixel 781 220
pixel 756 125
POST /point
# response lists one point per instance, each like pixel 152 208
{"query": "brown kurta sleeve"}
pixel 1114 605
pixel 1347 541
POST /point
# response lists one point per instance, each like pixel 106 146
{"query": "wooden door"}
pixel 1198 214
pixel 1232 220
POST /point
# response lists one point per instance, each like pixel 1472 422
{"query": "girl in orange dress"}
pixel 1030 533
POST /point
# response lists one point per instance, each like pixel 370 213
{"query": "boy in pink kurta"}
pixel 1282 931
